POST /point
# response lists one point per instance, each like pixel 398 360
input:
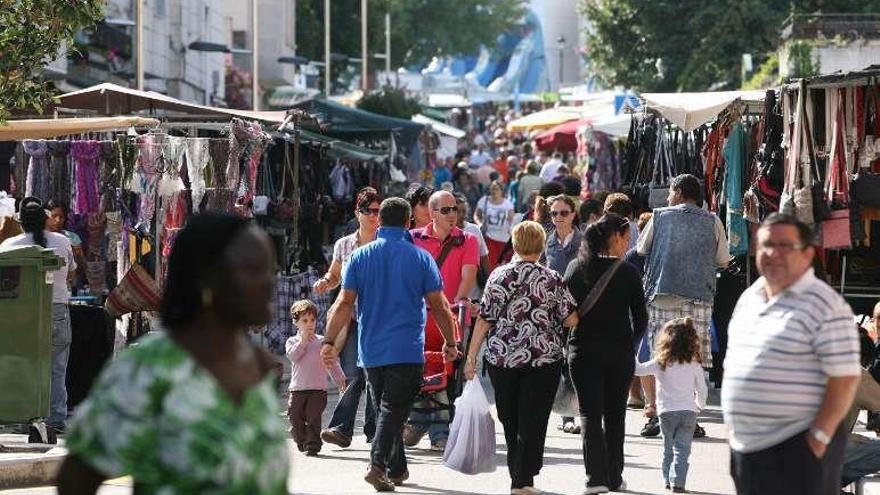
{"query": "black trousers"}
pixel 394 389
pixel 601 377
pixel 789 468
pixel 524 398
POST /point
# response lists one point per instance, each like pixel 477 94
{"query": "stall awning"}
pixel 341 149
pixel 691 110
pixel 16 130
pixel 112 99
pixel 615 126
pixel 561 138
pixel 440 127
pixel 544 119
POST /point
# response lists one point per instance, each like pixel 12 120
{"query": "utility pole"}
pixel 255 54
pixel 139 47
pixel 327 48
pixel 388 42
pixel 365 81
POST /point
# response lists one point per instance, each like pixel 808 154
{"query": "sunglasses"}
pixel 562 213
pixel 370 211
pixel 446 210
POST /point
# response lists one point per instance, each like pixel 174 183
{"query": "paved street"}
pixel 340 471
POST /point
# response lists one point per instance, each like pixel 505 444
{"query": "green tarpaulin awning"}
pixel 341 149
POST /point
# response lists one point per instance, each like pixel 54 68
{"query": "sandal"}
pixel 569 427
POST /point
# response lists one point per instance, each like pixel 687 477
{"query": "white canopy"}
pixel 438 126
pixel 691 110
pixel 16 130
pixel 112 99
pixel 615 126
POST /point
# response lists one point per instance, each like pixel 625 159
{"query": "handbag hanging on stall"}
pixel 836 230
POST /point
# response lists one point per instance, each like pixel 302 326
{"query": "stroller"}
pixel 442 382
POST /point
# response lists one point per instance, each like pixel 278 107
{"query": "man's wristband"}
pixel 820 436
pixel 328 342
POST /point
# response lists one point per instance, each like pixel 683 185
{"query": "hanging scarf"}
pixel 219 150
pixel 197 158
pixel 37 182
pixel 85 160
pixel 59 167
pixel 147 176
pixel 172 162
pixel 109 175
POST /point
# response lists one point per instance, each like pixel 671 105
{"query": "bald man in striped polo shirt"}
pixel 791 371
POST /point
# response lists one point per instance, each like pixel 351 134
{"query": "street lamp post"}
pixel 327 48
pixel 139 33
pixel 365 83
pixel 560 42
pixel 255 76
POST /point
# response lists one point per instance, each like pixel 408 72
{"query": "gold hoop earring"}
pixel 207 298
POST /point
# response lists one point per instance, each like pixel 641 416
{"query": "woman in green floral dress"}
pixel 192 409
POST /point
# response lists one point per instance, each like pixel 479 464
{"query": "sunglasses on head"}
pixel 370 211
pixel 446 210
pixel 561 213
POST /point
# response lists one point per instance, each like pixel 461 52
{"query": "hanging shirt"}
pixel 496 218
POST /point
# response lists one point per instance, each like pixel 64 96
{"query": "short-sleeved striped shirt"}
pixel 780 354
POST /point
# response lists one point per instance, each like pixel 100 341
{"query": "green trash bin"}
pixel 26 332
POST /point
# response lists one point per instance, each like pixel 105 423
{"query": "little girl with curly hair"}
pixel 681 394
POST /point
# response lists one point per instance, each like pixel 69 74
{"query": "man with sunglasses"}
pixel 791 371
pixel 458 257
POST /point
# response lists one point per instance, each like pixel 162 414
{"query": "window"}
pixel 239 39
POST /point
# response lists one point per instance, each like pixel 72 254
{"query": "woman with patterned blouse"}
pixel 194 408
pixel 524 311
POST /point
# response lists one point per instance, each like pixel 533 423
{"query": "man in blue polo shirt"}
pixel 390 278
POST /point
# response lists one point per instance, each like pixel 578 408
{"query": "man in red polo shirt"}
pixel 458 255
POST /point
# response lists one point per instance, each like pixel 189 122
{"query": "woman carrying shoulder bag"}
pixel 611 306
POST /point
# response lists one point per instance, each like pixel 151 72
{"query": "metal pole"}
pixel 327 48
pixel 365 83
pixel 139 47
pixel 255 76
pixel 559 86
pixel 388 42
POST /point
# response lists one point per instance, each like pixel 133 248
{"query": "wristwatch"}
pixel 820 436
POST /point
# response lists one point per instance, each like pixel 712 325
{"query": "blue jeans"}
pixel 435 423
pixel 345 413
pixel 860 458
pixel 61 337
pixel 678 433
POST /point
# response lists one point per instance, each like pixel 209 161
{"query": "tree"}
pixel 31 33
pixel 689 45
pixel 420 29
pixel 390 101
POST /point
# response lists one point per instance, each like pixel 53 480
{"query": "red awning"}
pixel 560 138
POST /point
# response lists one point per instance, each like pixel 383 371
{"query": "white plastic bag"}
pixel 470 448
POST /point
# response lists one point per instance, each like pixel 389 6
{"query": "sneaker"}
pixel 651 428
pixel 399 480
pixel 438 446
pixel 678 489
pixel 595 489
pixel 699 432
pixel 336 438
pixel 410 437
pixel 377 478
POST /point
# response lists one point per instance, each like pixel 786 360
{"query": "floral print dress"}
pixel 525 303
pixel 158 416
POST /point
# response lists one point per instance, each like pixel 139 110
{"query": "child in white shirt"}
pixel 681 394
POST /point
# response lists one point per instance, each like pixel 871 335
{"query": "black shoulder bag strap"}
pixel 598 289
pixel 450 243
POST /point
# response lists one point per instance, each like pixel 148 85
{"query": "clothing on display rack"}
pixel 59 169
pixel 37 182
pixel 289 289
pixel 146 177
pixel 109 175
pixel 734 158
pixel 85 168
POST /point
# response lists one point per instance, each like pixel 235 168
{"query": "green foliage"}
pixel 420 29
pixel 390 101
pixel 31 33
pixel 766 76
pixel 699 42
pixel 800 60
